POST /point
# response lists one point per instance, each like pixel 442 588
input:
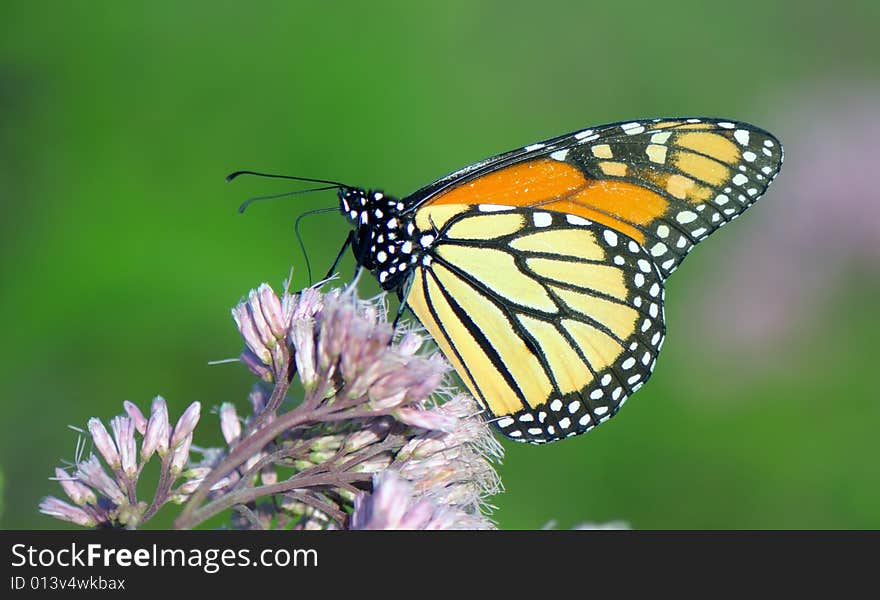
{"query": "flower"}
pixel 263 321
pixel 230 426
pixel 376 401
pixel 393 504
pixel 104 443
pixel 186 424
pixel 103 487
pixel 156 431
pixel 135 414
pixel 62 510
pixel 377 435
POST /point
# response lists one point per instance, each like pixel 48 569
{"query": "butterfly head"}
pixel 384 239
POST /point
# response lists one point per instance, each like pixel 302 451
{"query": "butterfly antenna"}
pixel 237 174
pixel 250 201
pixel 299 239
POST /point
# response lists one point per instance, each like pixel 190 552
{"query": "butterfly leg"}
pixel 402 293
pixel 335 264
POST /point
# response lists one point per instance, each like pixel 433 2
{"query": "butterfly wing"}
pixel 666 183
pixel 551 320
pixel 544 286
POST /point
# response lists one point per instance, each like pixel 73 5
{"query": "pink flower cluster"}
pixel 375 435
pixel 106 499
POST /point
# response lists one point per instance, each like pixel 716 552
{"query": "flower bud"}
pixel 90 472
pixel 230 426
pixel 257 366
pixel 157 432
pixel 179 456
pixel 135 414
pixel 260 324
pixel 432 420
pixel 302 339
pixel 272 311
pixel 304 305
pixel 365 437
pixel 76 491
pixel 186 424
pixel 336 325
pixel 246 326
pixel 410 343
pixel 59 509
pixel 123 433
pixel 104 443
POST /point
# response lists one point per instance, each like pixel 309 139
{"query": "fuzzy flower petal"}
pixel 392 505
pixel 59 509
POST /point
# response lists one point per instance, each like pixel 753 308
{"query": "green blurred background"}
pixel 121 251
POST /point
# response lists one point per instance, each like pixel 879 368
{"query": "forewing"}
pixel 667 183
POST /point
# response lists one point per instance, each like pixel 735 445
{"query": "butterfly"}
pixel 540 272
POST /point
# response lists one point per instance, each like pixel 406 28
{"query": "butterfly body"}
pixel 385 241
pixel 540 272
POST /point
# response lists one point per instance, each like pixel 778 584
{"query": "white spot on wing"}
pixel 742 136
pixel 542 219
pixel 686 216
pixel 493 207
pixel 632 128
pixel 576 220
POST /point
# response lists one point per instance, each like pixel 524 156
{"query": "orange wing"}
pixel 667 183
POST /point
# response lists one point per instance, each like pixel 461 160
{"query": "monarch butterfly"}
pixel 540 271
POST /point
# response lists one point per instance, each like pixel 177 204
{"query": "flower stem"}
pixel 248 447
pixel 243 496
pixel 161 495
